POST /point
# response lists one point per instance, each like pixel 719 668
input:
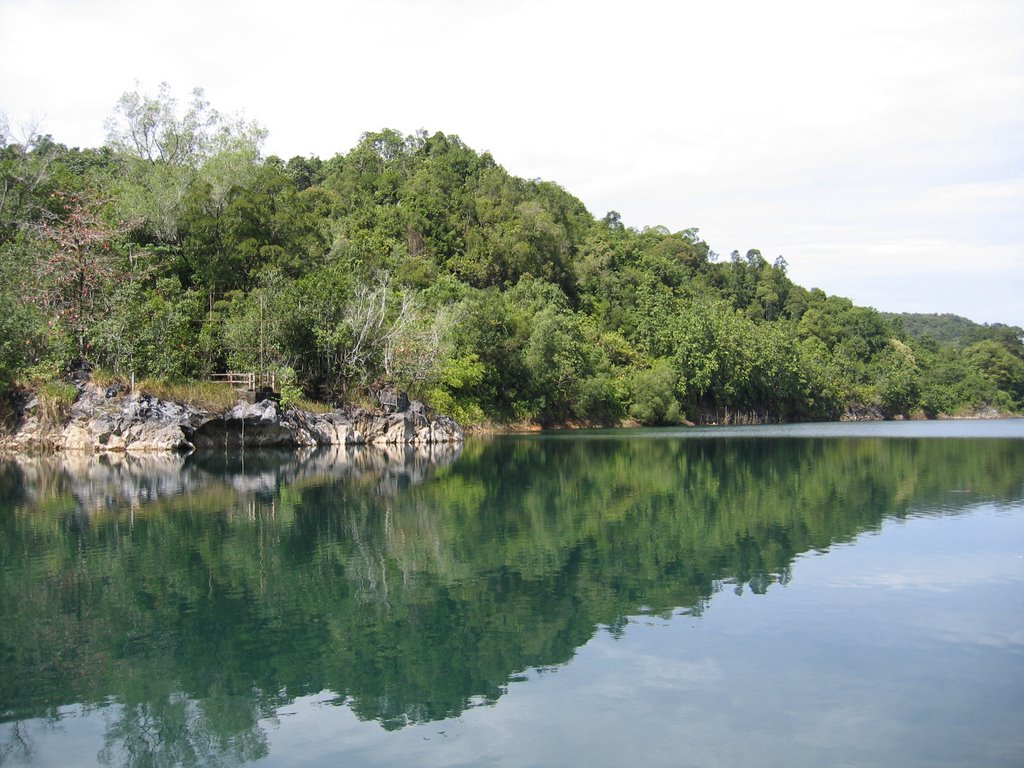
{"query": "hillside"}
pixel 948 329
pixel 177 251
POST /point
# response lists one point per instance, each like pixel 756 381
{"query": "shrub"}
pixel 653 395
pixel 287 385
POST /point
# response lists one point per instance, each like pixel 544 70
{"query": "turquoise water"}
pixel 757 596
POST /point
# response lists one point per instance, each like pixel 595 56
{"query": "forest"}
pixel 178 250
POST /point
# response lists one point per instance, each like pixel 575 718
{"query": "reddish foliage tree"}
pixel 80 262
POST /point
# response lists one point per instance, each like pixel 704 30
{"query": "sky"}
pixel 877 146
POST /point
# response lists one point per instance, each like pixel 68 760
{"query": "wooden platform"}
pixel 251 385
pixel 250 380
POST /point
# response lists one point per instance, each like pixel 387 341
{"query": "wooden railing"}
pixel 251 380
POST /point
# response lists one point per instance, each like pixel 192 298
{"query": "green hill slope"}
pixel 420 263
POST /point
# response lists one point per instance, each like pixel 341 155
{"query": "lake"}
pixel 806 595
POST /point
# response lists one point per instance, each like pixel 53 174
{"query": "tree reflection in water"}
pixel 191 598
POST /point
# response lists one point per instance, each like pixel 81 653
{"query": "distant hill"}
pixel 947 328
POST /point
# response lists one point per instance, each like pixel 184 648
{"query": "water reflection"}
pixel 112 481
pixel 189 599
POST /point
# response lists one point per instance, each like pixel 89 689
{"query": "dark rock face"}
pixel 105 421
pixel 252 425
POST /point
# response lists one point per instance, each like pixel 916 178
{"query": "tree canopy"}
pixel 178 250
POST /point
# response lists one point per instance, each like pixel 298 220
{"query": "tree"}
pixel 568 369
pixel 653 394
pixel 80 262
pixel 152 128
pixel 19 325
pixel 153 331
pixel 899 386
pixel 25 175
pixel 612 220
pixel 165 148
pixel 994 361
pixel 260 221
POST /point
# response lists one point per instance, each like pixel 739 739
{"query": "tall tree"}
pixel 165 147
pixel 80 261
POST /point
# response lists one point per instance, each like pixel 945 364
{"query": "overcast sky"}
pixel 877 145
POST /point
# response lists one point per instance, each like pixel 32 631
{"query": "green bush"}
pixel 287 385
pixel 653 395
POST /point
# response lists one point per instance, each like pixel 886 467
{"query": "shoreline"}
pixel 532 428
pixel 139 423
pixel 105 421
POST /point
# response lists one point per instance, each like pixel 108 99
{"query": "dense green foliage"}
pixel 946 329
pixel 177 250
pixel 409 595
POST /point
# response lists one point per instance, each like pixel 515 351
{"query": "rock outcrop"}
pixel 109 421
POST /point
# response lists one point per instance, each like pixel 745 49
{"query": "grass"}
pixel 313 406
pixel 55 401
pixel 211 395
pixel 102 377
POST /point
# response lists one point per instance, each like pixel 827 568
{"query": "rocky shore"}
pixel 104 420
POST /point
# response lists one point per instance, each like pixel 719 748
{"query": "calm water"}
pixel 841 595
